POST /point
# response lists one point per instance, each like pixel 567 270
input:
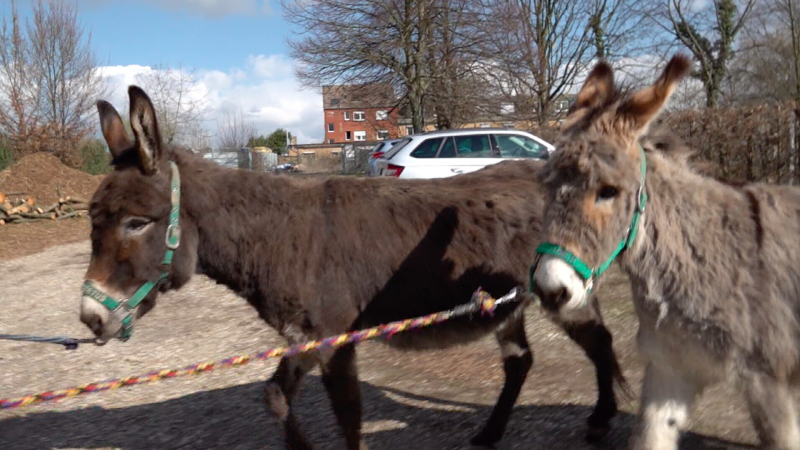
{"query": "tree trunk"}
pixel 417 110
pixel 712 92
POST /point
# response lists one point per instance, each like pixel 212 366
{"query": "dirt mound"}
pixel 43 176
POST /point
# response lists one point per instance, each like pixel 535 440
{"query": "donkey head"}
pixel 141 241
pixel 595 184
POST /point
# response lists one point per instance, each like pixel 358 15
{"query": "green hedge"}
pixel 95 157
pixel 6 154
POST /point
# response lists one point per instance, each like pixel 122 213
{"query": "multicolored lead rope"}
pixel 481 302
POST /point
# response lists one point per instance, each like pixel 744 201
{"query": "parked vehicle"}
pixel 445 153
pixel 376 153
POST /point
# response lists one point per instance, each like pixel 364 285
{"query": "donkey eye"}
pixel 607 192
pixel 136 224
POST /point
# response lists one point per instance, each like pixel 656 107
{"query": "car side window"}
pixel 474 146
pixel 448 149
pixel 515 146
pixel 427 148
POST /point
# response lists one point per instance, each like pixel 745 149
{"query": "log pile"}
pixel 25 209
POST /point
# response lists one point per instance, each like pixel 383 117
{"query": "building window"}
pixel 484 124
pixel 383 135
pixel 359 116
pixel 409 129
pixel 360 136
pixel 347 136
pixel 330 141
pixel 381 115
pixel 347 115
pixel 562 105
pixel 334 102
pixel 330 128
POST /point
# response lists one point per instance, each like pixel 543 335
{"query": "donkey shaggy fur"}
pixel 715 270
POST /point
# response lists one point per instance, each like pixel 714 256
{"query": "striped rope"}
pixel 481 302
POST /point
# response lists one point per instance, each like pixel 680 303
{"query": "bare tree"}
pixel 769 69
pixel 540 48
pixel 19 93
pixel 233 130
pixel 708 31
pixel 63 62
pixel 176 98
pixel 459 91
pixel 197 138
pixel 413 45
pixel 614 26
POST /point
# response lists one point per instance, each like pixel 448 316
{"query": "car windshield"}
pixel 399 145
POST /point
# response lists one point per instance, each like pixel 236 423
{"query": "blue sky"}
pixel 236 48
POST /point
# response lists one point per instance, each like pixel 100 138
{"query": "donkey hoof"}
pixel 597 432
pixel 484 440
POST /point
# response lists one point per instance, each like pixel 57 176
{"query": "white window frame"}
pixel 330 128
pixel 358 114
pixel 361 134
pixel 347 135
pixel 381 115
pixel 485 124
pixel 383 135
pixel 347 115
pixel 409 129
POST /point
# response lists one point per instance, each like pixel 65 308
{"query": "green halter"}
pixel 587 273
pixel 122 310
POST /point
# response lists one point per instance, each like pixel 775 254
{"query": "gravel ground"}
pixel 424 400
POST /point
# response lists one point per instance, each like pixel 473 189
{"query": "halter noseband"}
pixel 122 310
pixel 589 274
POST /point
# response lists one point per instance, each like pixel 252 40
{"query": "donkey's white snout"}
pixel 98 318
pixel 558 286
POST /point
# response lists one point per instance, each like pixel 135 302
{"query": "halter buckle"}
pixel 173 236
pixel 639 197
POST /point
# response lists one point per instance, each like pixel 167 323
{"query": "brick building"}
pixel 356 113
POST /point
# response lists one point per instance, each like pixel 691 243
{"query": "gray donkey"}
pixel 714 268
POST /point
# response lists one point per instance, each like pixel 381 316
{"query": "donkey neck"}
pixel 236 213
pixel 683 250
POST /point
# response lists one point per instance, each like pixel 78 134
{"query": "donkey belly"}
pixel 457 331
pixel 665 343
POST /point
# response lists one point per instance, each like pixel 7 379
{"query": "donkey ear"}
pixel 113 130
pixel 642 107
pixel 145 129
pixel 596 90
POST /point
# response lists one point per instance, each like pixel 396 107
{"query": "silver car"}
pixel 377 153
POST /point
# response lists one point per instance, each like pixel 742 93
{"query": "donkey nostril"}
pixel 562 296
pixel 96 325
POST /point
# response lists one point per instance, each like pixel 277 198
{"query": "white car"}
pixel 376 153
pixel 445 153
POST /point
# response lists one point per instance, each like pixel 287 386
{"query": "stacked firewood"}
pixel 26 209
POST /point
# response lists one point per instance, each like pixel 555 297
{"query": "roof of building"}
pixel 374 95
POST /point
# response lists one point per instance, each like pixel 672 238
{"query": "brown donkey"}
pixel 714 268
pixel 317 257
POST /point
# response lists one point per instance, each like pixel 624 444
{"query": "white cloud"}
pixel 272 66
pixel 206 8
pixel 265 90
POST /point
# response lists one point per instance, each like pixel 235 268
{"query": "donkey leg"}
pixel 517 361
pixel 664 411
pixel 279 392
pixel 773 412
pixel 340 377
pixel 596 341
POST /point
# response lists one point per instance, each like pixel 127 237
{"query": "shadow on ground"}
pixel 234 418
